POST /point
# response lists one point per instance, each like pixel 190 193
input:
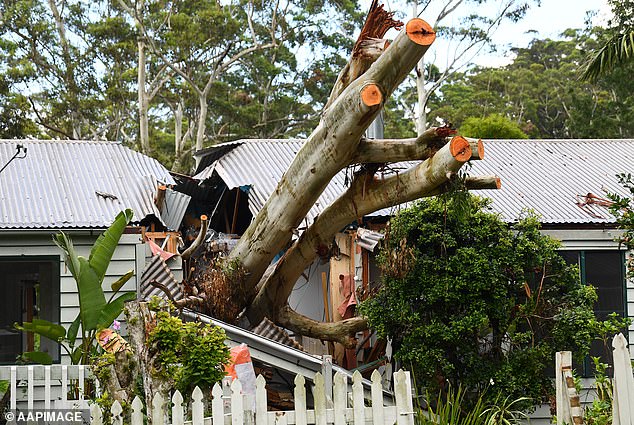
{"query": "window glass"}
pixel 30 291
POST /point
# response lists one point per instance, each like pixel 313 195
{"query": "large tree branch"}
pixel 341 332
pixel 365 195
pixel 396 150
pixel 367 49
pixel 330 147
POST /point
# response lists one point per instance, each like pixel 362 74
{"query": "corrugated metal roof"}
pixel 68 184
pixel 174 208
pixel 157 269
pixel 261 164
pixel 550 177
pixel 547 176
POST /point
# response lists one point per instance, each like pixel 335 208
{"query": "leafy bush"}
pixel 482 303
pixel 188 354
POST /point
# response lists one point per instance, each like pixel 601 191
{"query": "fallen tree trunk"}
pixel 331 147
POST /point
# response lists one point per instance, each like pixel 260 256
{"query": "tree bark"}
pixel 396 150
pixel 144 135
pixel 331 147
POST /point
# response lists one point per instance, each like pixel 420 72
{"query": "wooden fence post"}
pixel 137 411
pixel 403 395
pixel 217 405
pixel 116 411
pixel 358 399
pixel 300 400
pixel 377 398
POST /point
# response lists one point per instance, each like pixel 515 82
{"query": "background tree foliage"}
pixel 478 302
pixel 71 69
pixel 540 91
pixel 495 126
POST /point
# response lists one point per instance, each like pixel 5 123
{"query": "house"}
pixel 563 181
pixel 77 187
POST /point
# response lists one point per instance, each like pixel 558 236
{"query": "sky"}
pixel 546 21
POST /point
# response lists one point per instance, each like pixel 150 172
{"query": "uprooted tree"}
pixel 373 72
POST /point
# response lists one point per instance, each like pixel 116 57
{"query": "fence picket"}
pixel 14 387
pixel 64 384
pixel 47 388
pixel 358 399
pixel 81 382
pixel 96 417
pixel 237 403
pixel 377 398
pixel 198 407
pixel 300 400
pixel 178 417
pixel 30 383
pixel 137 411
pixel 340 398
pixel 116 410
pixel 403 395
pixel 320 400
pixel 217 406
pixel 158 415
pixel 260 401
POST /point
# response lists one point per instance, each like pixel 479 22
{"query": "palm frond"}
pixel 618 50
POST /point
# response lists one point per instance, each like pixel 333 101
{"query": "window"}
pixel 30 288
pixel 605 271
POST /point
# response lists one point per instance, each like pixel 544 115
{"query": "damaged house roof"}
pixel 564 181
pixel 75 184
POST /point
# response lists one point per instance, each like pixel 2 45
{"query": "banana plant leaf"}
pixel 113 309
pixel 70 256
pixel 116 286
pixel 44 328
pixel 71 335
pixel 91 297
pixel 38 357
pixel 104 247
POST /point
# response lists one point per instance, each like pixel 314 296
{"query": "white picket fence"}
pixel 47 387
pixel 233 407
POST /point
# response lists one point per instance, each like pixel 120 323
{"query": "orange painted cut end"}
pixel 162 187
pixel 203 217
pixel 460 149
pixel 420 32
pixel 498 183
pixel 371 95
pixel 480 152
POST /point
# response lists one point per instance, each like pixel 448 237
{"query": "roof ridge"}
pixel 69 141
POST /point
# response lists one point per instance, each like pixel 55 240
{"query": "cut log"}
pixel 396 150
pixel 200 238
pixel 483 183
pixel 371 95
pixel 420 32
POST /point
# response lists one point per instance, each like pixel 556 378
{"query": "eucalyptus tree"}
pixel 234 64
pixel 46 59
pixel 468 35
